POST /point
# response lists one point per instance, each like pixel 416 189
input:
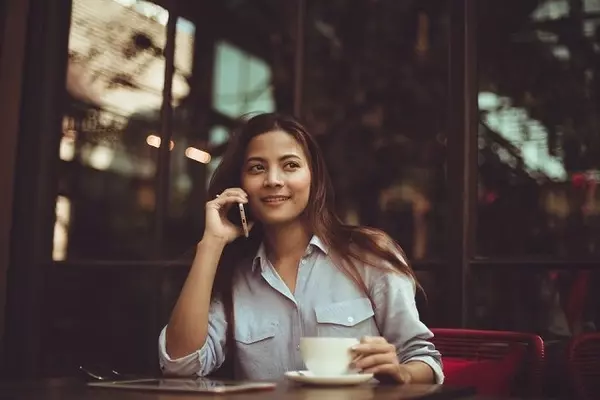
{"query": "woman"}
pixel 301 272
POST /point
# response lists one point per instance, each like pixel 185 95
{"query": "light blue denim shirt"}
pixel 270 320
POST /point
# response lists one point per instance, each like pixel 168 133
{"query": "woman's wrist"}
pixel 210 240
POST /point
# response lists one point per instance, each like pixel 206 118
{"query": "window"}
pixel 539 145
pixel 111 129
pixel 237 71
pixel 242 82
pixel 112 203
pixel 375 93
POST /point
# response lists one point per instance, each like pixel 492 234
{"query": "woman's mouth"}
pixel 274 199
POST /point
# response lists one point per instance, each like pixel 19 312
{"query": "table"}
pixel 71 389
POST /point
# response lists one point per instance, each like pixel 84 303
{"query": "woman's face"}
pixel 276 176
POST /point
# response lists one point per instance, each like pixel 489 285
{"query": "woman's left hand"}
pixel 375 355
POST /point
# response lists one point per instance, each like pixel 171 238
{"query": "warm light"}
pixel 67 149
pixel 197 155
pixel 61 228
pixel 154 141
pixel 100 157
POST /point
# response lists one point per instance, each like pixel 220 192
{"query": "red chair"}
pixel 583 364
pixel 497 363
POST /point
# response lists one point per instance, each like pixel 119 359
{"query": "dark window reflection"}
pixel 539 139
pixel 555 303
pixel 375 93
pixel 241 62
pixel 110 134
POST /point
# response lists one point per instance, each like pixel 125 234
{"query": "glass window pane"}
pixel 375 93
pixel 110 134
pixel 539 145
pixel 249 69
pixel 242 82
pixel 228 68
pixel 553 303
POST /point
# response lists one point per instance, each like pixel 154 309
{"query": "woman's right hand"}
pixel 217 224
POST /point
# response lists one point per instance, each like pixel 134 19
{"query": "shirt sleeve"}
pixel 398 320
pixel 204 360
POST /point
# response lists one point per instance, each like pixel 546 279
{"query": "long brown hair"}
pixel 349 245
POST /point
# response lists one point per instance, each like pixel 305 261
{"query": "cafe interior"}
pixel 468 130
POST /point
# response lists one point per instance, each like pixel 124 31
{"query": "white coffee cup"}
pixel 327 356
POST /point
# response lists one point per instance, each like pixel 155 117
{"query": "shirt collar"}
pixel 260 259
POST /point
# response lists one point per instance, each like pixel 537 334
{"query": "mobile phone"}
pixel 244 220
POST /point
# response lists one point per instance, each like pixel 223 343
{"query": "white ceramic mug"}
pixel 327 356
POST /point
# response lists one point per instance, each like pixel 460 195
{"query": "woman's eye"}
pixel 255 168
pixel 292 165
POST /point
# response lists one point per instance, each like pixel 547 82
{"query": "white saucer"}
pixel 338 380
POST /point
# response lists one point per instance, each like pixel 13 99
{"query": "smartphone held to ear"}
pixel 239 217
pixel 244 220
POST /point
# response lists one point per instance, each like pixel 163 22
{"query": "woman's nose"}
pixel 273 178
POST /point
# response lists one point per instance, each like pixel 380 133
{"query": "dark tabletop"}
pixel 69 389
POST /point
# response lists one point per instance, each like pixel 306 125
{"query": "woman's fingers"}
pixel 374 360
pixel 232 192
pixel 375 355
pixel 374 348
pixel 227 198
pixel 373 339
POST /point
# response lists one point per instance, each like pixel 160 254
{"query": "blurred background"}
pixel 468 132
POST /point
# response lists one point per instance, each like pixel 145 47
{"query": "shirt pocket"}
pixel 254 342
pixel 350 318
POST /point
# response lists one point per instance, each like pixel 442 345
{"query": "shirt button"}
pixel 350 319
pixel 298 347
pixel 303 261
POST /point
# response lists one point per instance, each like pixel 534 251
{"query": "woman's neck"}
pixel 285 241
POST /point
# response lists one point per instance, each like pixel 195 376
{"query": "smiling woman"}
pixel 254 298
pixel 276 177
